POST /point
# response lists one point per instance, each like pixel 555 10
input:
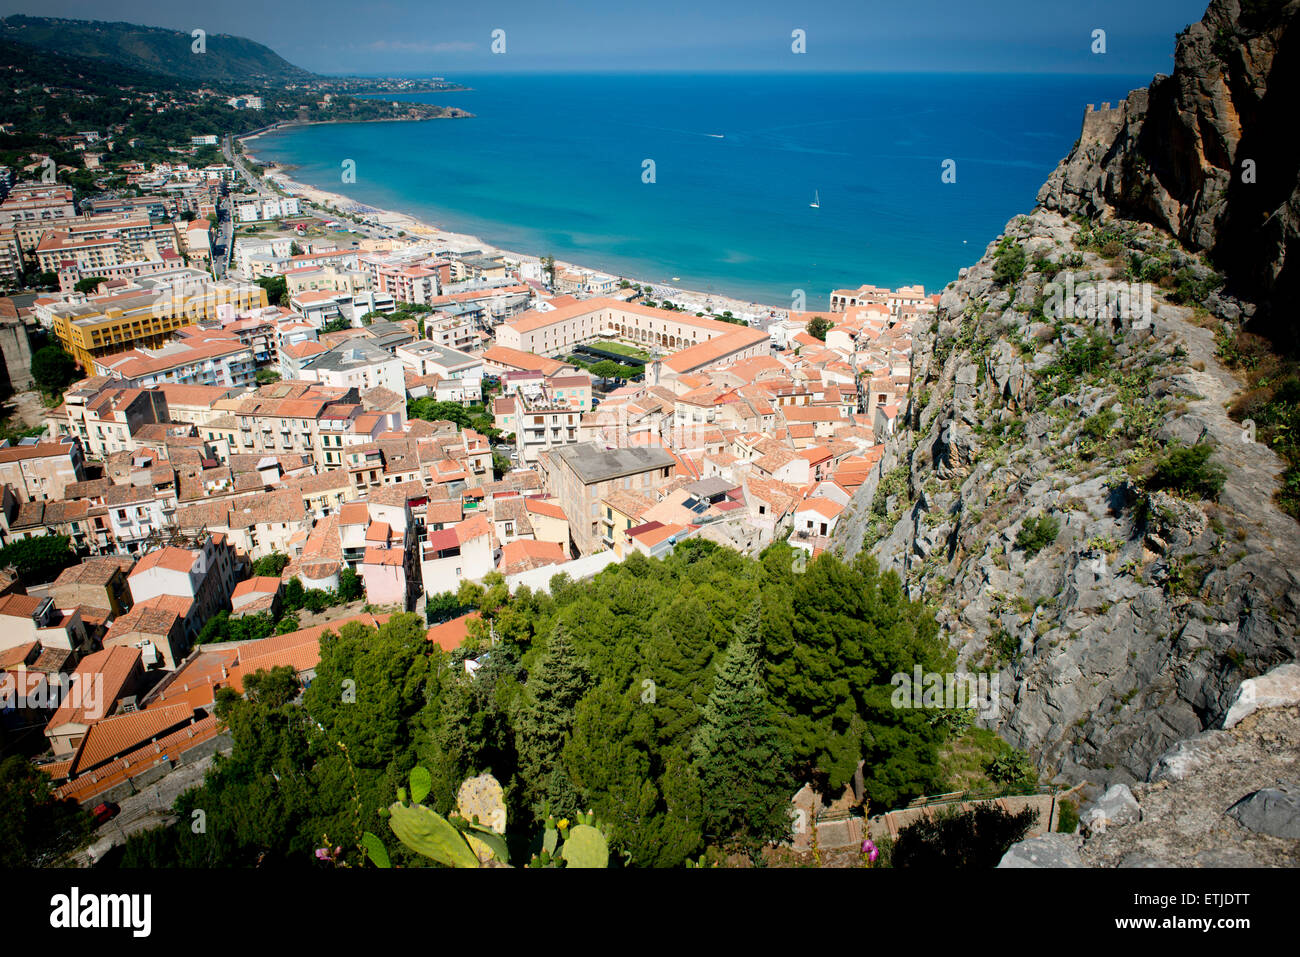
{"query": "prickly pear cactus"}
pixel 428 833
pixel 585 847
pixel 482 800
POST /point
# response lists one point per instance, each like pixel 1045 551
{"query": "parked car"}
pixel 103 813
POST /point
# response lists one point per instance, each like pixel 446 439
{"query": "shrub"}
pixel 1098 426
pixel 1037 533
pixel 1004 646
pixel 1187 470
pixel 978 839
pixel 1013 768
pixel 1008 261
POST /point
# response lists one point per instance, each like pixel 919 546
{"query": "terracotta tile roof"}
pixel 524 554
pixel 88 786
pixel 539 507
pixel 384 556
pixel 20 606
pixel 96 570
pixel 450 635
pixel 822 506
pixel 261 584
pixel 115 665
pixel 169 557
pixel 354 513
pixel 123 733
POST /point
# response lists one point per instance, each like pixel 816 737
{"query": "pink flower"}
pixel 870 850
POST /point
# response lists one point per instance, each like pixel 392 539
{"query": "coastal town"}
pixel 281 418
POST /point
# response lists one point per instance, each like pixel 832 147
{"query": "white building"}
pixel 357 363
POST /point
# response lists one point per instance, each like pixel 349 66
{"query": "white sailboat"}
pixel 817 200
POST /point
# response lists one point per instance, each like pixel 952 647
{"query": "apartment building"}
pixel 326 279
pixel 543 421
pixel 144 315
pixel 356 364
pixel 452 331
pixel 581 476
pixel 203 573
pixel 214 360
pixel 105 414
pixel 463 552
pixel 138 515
pixel 94 242
pixel 303 417
pixel 41 471
pixel 426 358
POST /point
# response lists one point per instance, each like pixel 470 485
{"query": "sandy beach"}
pixel 689 299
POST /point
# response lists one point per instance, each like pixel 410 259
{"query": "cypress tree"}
pixel 741 758
pixel 552 691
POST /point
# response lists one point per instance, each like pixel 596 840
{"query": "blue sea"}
pixel 555 164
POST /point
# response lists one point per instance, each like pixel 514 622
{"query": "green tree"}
pixel 443 606
pixel 432 411
pixel 87 283
pixel 818 326
pixel 835 636
pixel 276 289
pixel 554 687
pixel 351 588
pixel 270 565
pixel 740 756
pixel 53 369
pixel 39 559
pixel 36 828
pixel 976 839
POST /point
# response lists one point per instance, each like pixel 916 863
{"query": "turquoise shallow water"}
pixel 554 164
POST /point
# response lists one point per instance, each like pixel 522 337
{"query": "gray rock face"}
pixel 1225 857
pixel 1047 850
pixel 1115 808
pixel 1183 153
pixel 1269 811
pixel 1134 628
pixel 1138 859
pixel 1183 821
pixel 1187 757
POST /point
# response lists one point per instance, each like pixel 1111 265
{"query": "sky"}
pixel 435 37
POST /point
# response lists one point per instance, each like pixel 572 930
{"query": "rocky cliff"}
pixel 1205 154
pixel 1068 488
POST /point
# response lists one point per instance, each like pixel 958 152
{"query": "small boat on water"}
pixel 817 200
pixel 716 136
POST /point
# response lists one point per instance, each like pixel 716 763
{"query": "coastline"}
pixel 693 300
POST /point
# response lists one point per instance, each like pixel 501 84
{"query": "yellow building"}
pixel 115 323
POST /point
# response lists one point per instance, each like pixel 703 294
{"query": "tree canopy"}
pixel 682 700
pixel 53 369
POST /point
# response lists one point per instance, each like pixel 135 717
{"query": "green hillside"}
pixel 155 50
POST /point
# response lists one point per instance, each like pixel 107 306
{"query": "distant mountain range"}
pixel 155 50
